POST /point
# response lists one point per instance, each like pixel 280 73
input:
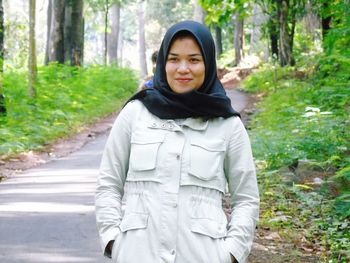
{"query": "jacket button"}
pixel 154 125
pixel 173 252
pixel 177 156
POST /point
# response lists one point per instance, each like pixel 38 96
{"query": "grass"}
pixel 304 115
pixel 68 98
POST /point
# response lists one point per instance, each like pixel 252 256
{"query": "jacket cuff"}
pixel 235 250
pixel 110 235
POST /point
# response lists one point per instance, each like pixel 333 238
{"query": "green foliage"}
pixel 305 115
pixel 301 119
pixel 337 40
pixel 16 45
pixel 67 99
pixel 221 12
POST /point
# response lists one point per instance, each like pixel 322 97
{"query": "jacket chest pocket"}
pixel 144 155
pixel 206 159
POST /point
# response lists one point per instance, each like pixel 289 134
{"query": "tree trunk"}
pixel 273 33
pixel 56 46
pixel 258 20
pixel 106 33
pixel 2 96
pixel 218 41
pixel 239 38
pixel 198 13
pixel 77 34
pixel 32 51
pixel 121 47
pixel 67 31
pixel 48 33
pixel 142 40
pixel 114 35
pixel 285 52
pixel 326 26
pixel 311 23
pixel 274 44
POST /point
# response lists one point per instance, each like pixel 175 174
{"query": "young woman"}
pixel 172 152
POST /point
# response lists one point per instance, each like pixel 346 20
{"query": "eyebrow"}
pixel 191 55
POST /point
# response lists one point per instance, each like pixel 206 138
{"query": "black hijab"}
pixel 209 101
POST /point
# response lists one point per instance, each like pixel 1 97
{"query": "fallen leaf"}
pixel 273 236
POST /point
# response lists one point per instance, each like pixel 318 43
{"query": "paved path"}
pixel 47 213
pixel 239 99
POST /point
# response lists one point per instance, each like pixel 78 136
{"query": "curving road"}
pixel 47 213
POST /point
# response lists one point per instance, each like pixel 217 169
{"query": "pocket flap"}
pixel 134 221
pixel 147 138
pixel 208 227
pixel 209 145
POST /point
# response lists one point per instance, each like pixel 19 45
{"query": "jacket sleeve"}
pixel 112 175
pixel 242 184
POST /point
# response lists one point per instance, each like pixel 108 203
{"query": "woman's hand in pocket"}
pixel 233 260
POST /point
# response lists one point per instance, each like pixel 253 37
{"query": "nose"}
pixel 183 67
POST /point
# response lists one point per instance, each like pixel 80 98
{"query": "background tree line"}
pixel 109 30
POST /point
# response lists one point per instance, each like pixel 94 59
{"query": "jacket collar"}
pixel 196 124
pixel 193 123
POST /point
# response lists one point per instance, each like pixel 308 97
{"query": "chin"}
pixel 183 90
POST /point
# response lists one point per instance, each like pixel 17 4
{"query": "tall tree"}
pixel 65 36
pixel 326 18
pixel 142 38
pixel 239 37
pixel 32 66
pixel 76 50
pixel 283 17
pixel 198 13
pixel 2 96
pixel 231 11
pixel 269 9
pixel 218 40
pixel 273 35
pixel 56 43
pixel 257 19
pixel 103 6
pixel 114 35
pixel 48 32
pixel 286 34
pixel 67 29
pixel 106 10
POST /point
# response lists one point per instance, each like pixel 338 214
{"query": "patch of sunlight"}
pixel 45 207
pixel 49 257
pixel 69 188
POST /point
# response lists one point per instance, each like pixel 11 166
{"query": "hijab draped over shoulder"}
pixel 209 101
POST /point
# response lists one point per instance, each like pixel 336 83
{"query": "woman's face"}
pixel 185 69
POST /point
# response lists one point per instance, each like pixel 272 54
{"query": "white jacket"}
pixel 170 176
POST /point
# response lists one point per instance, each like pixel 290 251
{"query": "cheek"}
pixel 200 72
pixel 168 71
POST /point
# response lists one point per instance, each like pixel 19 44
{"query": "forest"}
pixel 65 64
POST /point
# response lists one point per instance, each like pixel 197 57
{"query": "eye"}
pixel 172 59
pixel 194 60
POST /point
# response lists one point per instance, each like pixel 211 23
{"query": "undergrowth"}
pixel 304 117
pixel 67 99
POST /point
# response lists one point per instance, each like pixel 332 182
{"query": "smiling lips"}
pixel 183 80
